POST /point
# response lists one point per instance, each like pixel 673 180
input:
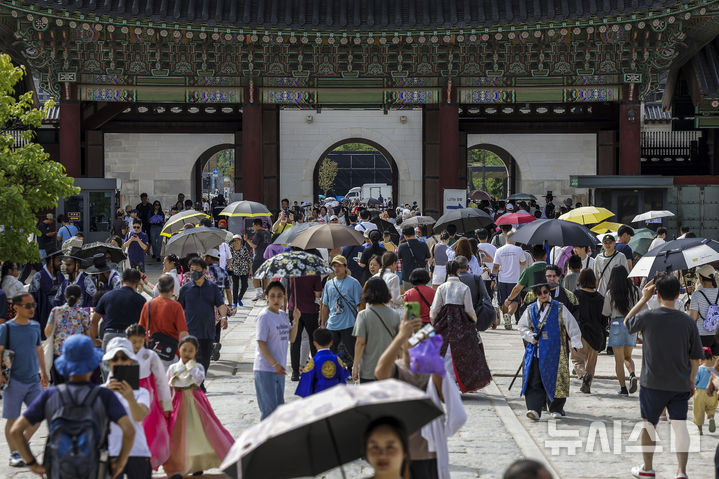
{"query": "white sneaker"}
pixel 638 471
pixel 556 415
pixel 257 296
pixel 533 415
pixel 507 321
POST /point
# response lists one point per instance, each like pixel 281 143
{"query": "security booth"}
pixel 627 196
pixel 93 209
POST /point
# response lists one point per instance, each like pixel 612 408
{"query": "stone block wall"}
pixel 161 165
pixel 302 143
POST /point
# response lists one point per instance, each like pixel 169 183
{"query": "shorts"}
pixel 653 401
pixel 619 334
pixel 503 292
pixel 16 393
pixel 256 264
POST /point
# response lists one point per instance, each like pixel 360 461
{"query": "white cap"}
pixel 213 252
pixel 510 206
pixel 119 344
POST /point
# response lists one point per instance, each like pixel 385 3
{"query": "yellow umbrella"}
pixel 177 222
pixel 587 215
pixel 607 227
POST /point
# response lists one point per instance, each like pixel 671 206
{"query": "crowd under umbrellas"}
pixel 333 435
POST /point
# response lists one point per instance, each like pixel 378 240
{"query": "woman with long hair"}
pixel 453 316
pixel 388 273
pixel 240 268
pixel 702 299
pixel 64 321
pixel 464 248
pixel 157 219
pixel 438 259
pixel 620 298
pixel 592 324
pixel 375 249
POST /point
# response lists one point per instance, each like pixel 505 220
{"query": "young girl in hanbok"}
pixel 152 378
pixel 199 441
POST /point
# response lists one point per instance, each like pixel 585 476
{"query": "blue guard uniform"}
pixel 322 372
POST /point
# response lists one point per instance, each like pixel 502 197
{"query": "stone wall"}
pixel 303 142
pixel 161 165
pixel 546 161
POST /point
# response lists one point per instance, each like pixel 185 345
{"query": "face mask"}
pixel 196 275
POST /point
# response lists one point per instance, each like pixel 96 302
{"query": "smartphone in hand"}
pixel 129 373
pixel 412 309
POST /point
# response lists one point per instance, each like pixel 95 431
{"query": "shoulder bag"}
pixel 8 355
pixel 389 331
pixel 163 344
pixel 352 306
pixel 604 270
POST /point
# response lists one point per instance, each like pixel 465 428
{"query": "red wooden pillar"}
pixel 629 139
pixel 70 137
pixel 449 145
pixel 252 152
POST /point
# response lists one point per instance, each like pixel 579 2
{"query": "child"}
pixel 152 378
pixel 324 370
pixel 705 396
pixel 274 333
pixel 136 402
pixel 199 441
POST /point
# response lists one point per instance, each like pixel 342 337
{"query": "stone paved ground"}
pixel 496 432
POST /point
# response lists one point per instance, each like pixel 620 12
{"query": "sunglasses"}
pixel 543 292
pixel 29 305
pixel 136 227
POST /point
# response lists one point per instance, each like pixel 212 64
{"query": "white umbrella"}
pixel 652 215
pixel 676 255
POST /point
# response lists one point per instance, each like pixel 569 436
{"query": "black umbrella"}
pixel 554 233
pixel 91 249
pixel 383 226
pixel 250 209
pixel 465 219
pixel 522 197
pixel 677 255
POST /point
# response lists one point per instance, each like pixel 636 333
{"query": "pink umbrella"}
pixel 514 219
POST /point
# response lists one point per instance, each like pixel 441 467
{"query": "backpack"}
pixel 711 322
pixel 76 445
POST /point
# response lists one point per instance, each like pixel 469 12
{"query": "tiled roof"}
pixel 354 14
pixel 653 112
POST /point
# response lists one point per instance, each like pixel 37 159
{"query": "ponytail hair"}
pixel 73 293
pixel 388 259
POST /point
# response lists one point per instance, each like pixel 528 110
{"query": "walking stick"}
pixel 521 365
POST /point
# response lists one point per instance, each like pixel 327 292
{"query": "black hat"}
pixel 52 252
pixel 73 254
pixel 539 285
pixel 99 265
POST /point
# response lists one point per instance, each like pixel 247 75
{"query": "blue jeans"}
pixel 270 389
pixel 156 240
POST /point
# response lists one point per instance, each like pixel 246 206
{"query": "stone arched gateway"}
pixel 509 163
pixel 388 158
pixel 202 161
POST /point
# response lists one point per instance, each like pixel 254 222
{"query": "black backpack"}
pixel 76 445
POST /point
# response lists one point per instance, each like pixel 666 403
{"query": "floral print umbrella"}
pixel 293 265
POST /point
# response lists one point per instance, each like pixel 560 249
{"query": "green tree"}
pixel 327 175
pixel 496 187
pixel 29 181
pixel 226 163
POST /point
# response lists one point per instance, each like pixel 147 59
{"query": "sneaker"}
pixel 610 351
pixel 556 415
pixel 681 475
pixel 638 471
pixel 215 356
pixel 295 376
pixel 712 425
pixel 633 384
pixel 257 296
pixel 16 460
pixel 239 304
pixel 507 321
pixel 533 415
pixel 586 383
pixel 623 392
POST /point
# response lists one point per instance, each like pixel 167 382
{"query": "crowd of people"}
pixel 569 304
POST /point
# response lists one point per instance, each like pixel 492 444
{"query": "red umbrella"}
pixel 514 219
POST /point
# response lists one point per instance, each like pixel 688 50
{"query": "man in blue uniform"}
pixel 324 370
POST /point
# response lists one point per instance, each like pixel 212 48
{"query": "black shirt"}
pixel 44 241
pixel 414 254
pixel 143 212
pixel 121 308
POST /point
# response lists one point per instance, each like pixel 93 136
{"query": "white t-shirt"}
pixel 491 250
pixel 139 447
pixel 363 226
pixel 176 290
pixel 656 242
pixel 273 329
pixel 508 257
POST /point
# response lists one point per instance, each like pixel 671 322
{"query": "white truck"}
pixel 369 190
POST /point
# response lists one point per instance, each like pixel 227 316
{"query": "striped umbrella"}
pixel 677 255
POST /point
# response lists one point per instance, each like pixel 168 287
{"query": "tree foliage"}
pixel 496 187
pixel 29 181
pixel 327 175
pixel 226 163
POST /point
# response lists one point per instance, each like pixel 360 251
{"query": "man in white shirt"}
pixel 365 224
pixel 683 230
pixel 607 260
pixel 508 261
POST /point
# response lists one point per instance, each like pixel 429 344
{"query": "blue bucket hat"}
pixel 79 356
